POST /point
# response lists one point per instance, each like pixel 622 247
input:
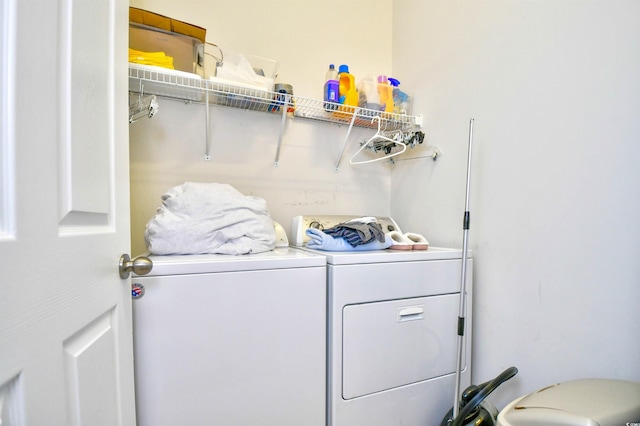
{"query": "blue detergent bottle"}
pixel 331 89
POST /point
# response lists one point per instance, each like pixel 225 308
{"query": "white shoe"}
pixel 400 242
pixel 418 241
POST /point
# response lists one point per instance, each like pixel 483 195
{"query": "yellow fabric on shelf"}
pixel 158 59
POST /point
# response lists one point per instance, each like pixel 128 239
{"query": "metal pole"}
pixel 207 143
pixel 463 279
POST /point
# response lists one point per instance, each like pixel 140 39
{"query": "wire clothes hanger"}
pixel 376 139
pixel 146 105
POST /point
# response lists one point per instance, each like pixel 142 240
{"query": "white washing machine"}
pixel 392 331
pixel 231 340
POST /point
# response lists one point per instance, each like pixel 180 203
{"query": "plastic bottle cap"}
pixel 331 66
pixel 382 79
pixel 394 82
pixel 343 68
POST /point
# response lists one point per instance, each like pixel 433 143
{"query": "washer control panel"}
pixel 301 223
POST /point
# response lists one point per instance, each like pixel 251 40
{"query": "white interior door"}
pixel 65 323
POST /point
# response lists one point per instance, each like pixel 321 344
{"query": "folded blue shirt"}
pixel 321 241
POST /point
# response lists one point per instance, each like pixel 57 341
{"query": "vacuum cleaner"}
pixel 472 407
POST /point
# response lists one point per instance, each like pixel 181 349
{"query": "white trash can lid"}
pixel 587 402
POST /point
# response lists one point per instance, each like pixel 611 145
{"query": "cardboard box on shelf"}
pixel 183 49
pixel 151 32
pixel 151 19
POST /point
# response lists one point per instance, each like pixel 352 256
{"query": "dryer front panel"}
pixel 398 342
pixel 393 341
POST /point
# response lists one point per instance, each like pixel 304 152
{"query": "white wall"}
pixel 555 195
pixel 305 37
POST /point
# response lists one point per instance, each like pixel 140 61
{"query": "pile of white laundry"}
pixel 203 218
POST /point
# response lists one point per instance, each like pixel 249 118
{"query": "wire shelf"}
pixel 165 83
pixel 191 87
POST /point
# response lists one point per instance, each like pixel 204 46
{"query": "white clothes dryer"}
pixel 392 331
pixel 231 340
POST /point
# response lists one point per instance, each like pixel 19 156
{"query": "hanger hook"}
pixel 379 122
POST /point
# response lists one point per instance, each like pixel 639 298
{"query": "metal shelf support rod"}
pixel 346 138
pixel 207 143
pixel 283 121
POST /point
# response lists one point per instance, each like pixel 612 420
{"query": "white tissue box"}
pixel 244 81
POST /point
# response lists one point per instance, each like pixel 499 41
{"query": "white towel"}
pixel 202 218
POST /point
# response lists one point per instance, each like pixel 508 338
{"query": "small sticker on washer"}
pixel 137 291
